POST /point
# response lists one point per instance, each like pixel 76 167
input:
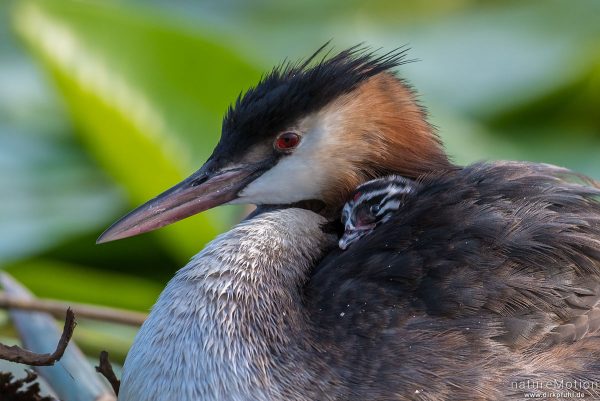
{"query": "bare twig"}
pixel 106 370
pixel 20 355
pixel 58 308
pixel 25 389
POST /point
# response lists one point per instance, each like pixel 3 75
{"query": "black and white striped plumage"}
pixel 373 203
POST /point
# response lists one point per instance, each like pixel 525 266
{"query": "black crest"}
pixel 292 90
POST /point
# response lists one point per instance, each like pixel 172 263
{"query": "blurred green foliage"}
pixel 143 91
pixel 104 104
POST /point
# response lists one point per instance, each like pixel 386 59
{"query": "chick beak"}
pixel 201 191
pixel 352 235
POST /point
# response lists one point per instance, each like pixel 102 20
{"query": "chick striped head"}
pixel 373 203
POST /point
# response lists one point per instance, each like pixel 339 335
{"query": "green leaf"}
pixel 95 336
pixel 69 282
pixel 50 192
pixel 147 93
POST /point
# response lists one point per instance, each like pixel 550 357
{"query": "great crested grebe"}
pixel 474 282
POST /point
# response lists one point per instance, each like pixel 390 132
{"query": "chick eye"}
pixel 374 210
pixel 364 216
pixel 287 141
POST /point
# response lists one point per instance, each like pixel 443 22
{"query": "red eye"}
pixel 287 140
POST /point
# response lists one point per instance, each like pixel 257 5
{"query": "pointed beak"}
pixel 201 191
pixel 352 235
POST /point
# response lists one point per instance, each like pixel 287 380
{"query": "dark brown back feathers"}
pixel 486 277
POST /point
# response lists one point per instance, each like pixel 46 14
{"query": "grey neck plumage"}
pixel 229 325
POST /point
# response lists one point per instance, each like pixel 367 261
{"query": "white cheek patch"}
pixel 293 179
pixel 301 175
